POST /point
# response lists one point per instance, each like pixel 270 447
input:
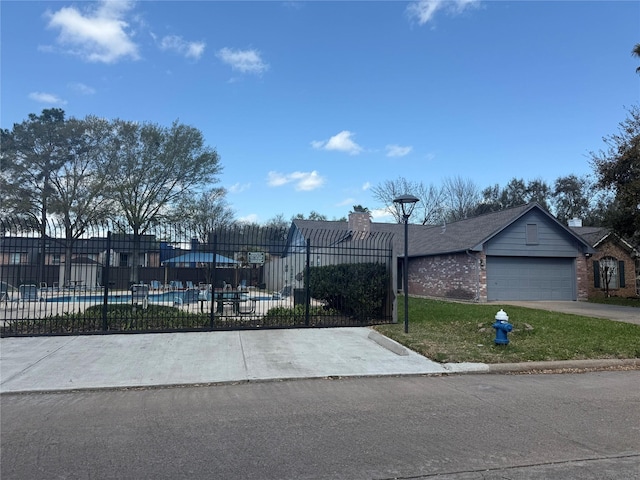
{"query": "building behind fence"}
pixel 171 279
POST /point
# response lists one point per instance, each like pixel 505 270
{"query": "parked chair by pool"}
pixel 4 292
pixel 28 293
pixel 155 285
pixel 284 293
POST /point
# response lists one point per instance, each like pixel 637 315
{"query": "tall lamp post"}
pixel 407 203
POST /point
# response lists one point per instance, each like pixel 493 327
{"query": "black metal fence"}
pixel 176 279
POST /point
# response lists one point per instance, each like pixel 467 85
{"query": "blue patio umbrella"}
pixel 197 259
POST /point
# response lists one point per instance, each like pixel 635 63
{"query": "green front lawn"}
pixel 460 332
pixel 624 301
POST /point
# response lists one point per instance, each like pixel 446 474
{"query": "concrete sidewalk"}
pixel 37 364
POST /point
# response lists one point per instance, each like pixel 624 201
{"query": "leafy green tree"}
pixel 618 170
pixel 155 168
pixel 489 201
pixel 32 153
pixel 571 198
pixel 539 191
pixel 53 168
pixel 514 193
pixel 313 215
pixel 636 53
pixel 360 209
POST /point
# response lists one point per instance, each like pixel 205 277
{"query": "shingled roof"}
pixel 594 236
pixel 468 234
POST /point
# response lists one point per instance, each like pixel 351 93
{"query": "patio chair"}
pixel 28 293
pixel 4 292
pixel 284 293
pixel 154 285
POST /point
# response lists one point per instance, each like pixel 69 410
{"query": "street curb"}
pixel 387 343
pixel 593 364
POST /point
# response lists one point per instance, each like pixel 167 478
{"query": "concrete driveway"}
pixel 587 309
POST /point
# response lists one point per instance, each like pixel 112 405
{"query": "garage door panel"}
pixel 527 278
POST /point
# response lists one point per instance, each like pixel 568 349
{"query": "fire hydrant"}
pixel 502 327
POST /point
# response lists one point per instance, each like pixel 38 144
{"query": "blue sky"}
pixel 311 103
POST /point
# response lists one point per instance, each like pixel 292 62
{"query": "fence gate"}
pixel 176 279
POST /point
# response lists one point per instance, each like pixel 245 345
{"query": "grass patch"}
pixel 622 301
pixel 459 332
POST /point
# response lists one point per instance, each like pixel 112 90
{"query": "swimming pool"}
pixel 177 297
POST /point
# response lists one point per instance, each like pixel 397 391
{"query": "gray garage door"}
pixel 527 278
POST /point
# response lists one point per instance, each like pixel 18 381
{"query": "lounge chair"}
pixel 284 293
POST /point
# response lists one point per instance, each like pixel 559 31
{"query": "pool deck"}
pixel 49 303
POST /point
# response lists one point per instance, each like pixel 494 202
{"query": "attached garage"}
pixel 531 278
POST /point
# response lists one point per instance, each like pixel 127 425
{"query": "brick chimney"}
pixel 360 222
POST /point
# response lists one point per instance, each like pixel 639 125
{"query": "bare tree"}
pixel 202 214
pixel 427 211
pixel 461 198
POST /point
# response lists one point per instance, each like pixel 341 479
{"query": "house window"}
pixel 124 260
pixel 55 259
pixel 532 233
pixel 609 272
pixel 15 258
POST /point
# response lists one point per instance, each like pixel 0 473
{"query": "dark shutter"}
pixel 596 274
pixel 621 270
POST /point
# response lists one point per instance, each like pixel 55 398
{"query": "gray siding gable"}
pixel 552 239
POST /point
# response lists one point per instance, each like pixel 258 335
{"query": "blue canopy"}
pixel 199 257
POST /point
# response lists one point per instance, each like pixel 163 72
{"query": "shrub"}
pixel 358 289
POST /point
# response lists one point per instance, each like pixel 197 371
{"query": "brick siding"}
pixel 457 276
pixel 612 249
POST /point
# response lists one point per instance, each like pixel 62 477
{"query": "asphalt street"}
pixel 462 427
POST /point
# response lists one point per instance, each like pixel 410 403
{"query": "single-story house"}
pixel 615 262
pixel 521 253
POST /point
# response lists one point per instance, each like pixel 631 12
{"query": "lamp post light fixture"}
pixel 407 203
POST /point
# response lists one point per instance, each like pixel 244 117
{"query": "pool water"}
pixel 186 296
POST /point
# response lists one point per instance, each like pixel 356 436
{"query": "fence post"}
pixel 212 313
pixel 105 281
pixel 307 286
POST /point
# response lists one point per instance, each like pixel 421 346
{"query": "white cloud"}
pixel 239 187
pixel 82 89
pixel 424 10
pixel 366 186
pixel 98 35
pixel 303 181
pixel 398 151
pixel 49 98
pixel 345 202
pixel 381 214
pixel 179 45
pixel 251 218
pixel 341 142
pixel 244 61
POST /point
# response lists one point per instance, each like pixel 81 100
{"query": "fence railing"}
pixel 176 279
